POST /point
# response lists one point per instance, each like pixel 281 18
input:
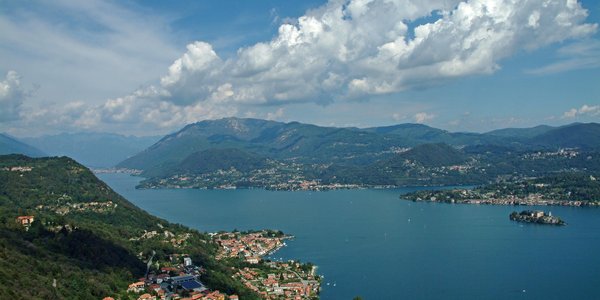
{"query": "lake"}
pixel 372 244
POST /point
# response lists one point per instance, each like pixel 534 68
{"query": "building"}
pixel 176 280
pixel 186 282
pixel 193 285
pixel 253 259
pixel 147 297
pixel 537 214
pixel 137 287
pixel 25 220
pixel 187 262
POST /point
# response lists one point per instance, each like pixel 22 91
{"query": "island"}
pixel 536 216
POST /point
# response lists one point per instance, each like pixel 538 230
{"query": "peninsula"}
pixel 567 189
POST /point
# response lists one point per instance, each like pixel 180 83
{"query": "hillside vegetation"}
pixel 85 241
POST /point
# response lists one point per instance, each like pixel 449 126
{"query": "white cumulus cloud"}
pixel 584 110
pixel 11 97
pixel 349 49
pixel 423 117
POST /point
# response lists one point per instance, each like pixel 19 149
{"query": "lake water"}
pixel 372 244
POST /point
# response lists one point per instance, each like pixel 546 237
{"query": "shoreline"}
pixel 334 187
pixel 512 202
pixel 259 271
pixel 296 187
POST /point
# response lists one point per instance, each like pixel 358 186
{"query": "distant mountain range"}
pixel 237 142
pixel 310 143
pixel 10 145
pixel 99 150
pixel 380 155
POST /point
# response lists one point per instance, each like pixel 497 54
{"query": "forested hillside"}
pixel 84 242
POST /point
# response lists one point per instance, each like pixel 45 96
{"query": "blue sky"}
pixel 150 67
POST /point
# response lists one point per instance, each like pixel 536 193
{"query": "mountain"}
pixel 86 241
pixel 221 159
pixel 10 145
pixel 346 149
pixel 304 143
pixel 577 135
pixel 433 155
pixel 276 140
pixel 417 134
pixel 100 150
pixel 521 132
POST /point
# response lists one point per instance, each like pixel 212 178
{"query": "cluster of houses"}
pixel 94 206
pixel 250 246
pixel 286 282
pixel 17 169
pixel 272 280
pixel 177 241
pixel 178 282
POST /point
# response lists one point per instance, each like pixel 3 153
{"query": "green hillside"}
pixel 85 241
pixel 576 135
pixel 433 155
pixel 521 132
pixel 221 159
pixel 240 152
pixel 275 140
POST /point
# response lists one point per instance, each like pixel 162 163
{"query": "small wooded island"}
pixel 536 216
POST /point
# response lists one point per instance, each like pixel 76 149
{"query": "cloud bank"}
pixel 585 111
pixel 347 50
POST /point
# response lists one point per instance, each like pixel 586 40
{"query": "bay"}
pixel 372 244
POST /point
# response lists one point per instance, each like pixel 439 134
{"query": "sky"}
pixel 151 67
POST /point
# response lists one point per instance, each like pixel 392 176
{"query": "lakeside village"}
pixel 288 179
pixel 532 200
pixel 466 196
pixel 179 278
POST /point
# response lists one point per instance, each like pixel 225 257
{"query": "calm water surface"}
pixel 371 243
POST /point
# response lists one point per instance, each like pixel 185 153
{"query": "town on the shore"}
pixel 509 200
pixel 180 278
pixel 498 197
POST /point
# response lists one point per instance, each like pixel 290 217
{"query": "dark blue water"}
pixel 371 243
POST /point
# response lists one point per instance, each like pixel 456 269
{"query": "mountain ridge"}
pixel 12 145
pixel 93 149
pixel 400 155
pixel 311 143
